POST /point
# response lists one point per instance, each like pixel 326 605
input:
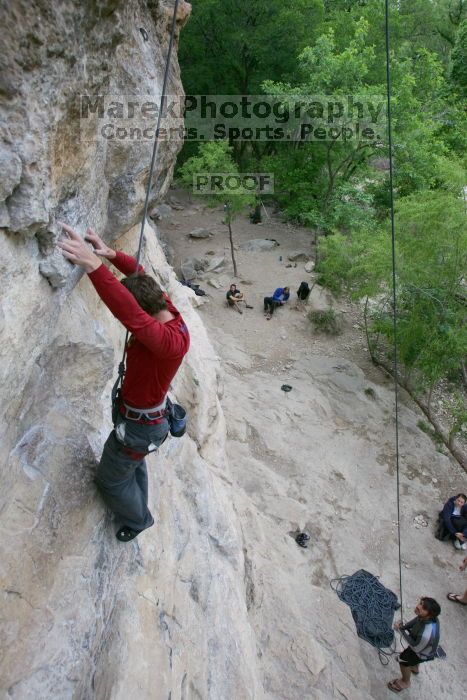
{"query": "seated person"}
pixel 454 515
pixel 234 296
pixel 279 298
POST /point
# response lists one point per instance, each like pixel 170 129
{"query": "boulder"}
pixel 298 255
pixel 310 266
pixel 214 283
pixel 258 244
pixel 190 267
pixel 200 233
pixel 176 204
pixel 163 211
pixel 215 263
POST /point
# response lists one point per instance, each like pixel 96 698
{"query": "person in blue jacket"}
pixel 454 515
pixel 280 296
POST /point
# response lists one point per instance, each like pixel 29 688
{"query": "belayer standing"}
pixel 422 636
pixel 159 340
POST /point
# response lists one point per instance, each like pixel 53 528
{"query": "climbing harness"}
pixel 116 389
pixel 372 604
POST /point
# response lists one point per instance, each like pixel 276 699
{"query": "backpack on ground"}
pixel 303 291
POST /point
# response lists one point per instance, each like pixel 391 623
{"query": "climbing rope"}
pixel 121 366
pixel 372 604
pixel 394 298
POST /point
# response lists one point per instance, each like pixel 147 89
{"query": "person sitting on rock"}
pixel 422 636
pixel 234 297
pixel 454 515
pixel 280 296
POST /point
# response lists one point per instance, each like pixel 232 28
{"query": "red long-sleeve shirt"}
pixel 155 350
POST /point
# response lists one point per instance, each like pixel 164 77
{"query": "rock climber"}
pixel 234 296
pixel 422 636
pixel 280 296
pixel 159 340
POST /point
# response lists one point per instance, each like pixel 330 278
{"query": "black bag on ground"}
pixel 303 291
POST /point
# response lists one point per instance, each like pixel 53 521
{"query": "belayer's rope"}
pixel 394 299
pixel 121 366
pixel 372 604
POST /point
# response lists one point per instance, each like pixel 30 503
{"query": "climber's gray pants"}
pixel 122 477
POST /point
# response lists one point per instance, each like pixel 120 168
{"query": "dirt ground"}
pixel 330 457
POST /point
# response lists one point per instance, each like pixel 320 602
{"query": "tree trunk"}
pixel 448 440
pixel 430 396
pixel 365 319
pixel 232 252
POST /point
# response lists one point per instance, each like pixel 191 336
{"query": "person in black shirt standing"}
pixel 422 636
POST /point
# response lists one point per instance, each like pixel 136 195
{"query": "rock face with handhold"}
pixel 84 615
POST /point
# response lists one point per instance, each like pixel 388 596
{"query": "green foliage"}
pixel 370 392
pixel 458 411
pixel 458 72
pixel 326 321
pixel 315 175
pixel 230 46
pixel 303 48
pixel 431 259
pixel 216 157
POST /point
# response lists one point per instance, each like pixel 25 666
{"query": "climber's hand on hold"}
pixel 75 249
pixel 100 248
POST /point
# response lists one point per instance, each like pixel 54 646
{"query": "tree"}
pixel 458 73
pixel 216 157
pixel 431 261
pixel 230 46
pixel 322 167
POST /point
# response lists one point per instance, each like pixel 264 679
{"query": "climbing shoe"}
pixel 302 539
pixel 126 534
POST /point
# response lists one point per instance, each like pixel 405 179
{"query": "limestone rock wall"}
pixel 83 616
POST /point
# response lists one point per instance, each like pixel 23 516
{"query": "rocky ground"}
pixel 322 459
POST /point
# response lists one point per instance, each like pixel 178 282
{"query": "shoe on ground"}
pixel 460 545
